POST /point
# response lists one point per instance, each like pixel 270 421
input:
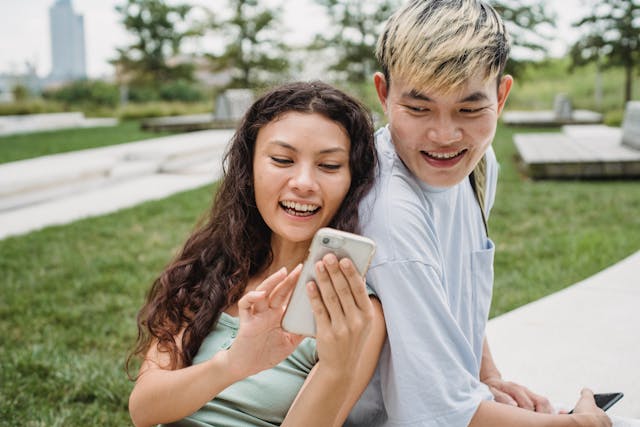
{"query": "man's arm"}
pixel 508 392
pixel 493 414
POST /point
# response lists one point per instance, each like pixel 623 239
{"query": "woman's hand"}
pixel 261 342
pixel 343 313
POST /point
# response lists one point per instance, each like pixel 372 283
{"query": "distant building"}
pixel 68 60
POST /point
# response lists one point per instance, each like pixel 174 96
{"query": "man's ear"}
pixel 503 91
pixel 381 88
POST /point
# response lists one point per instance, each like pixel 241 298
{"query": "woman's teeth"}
pixel 299 209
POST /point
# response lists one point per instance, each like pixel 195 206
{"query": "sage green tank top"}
pixel 260 400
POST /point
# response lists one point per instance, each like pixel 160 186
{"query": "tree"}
pixel 611 38
pixel 524 22
pixel 356 25
pixel 159 30
pixel 354 33
pixel 253 52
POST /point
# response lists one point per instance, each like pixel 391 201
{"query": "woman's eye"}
pixel 281 160
pixel 330 166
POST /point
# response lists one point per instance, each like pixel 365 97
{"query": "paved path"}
pixel 27 123
pixel 61 188
pixel 585 335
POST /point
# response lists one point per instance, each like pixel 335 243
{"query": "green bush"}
pixel 31 106
pixel 143 94
pixel 83 92
pixel 181 90
pixel 20 93
pixel 134 111
pixel 614 117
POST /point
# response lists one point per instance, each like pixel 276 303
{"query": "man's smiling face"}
pixel 440 136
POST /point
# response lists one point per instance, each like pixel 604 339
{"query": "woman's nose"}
pixel 304 179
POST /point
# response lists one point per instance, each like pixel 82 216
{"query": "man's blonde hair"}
pixel 441 44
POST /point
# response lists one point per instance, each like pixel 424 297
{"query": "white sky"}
pixel 24 30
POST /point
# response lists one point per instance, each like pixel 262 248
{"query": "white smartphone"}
pixel 299 318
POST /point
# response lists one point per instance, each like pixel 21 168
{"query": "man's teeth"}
pixel 444 156
pixel 300 207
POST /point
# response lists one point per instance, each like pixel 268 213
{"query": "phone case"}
pixel 299 318
pixel 605 401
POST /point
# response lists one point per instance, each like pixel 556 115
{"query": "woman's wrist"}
pixel 336 378
pixel 224 362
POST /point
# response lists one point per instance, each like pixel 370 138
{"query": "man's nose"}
pixel 445 130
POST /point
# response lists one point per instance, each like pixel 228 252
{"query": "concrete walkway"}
pixel 27 123
pixel 585 335
pixel 62 188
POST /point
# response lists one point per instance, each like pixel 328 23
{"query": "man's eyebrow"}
pixel 475 97
pixel 416 95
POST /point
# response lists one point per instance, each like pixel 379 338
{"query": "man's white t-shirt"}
pixel 433 273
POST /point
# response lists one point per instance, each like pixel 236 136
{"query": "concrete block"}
pixel 631 125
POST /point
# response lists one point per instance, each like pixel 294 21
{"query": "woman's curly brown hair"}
pixel 233 243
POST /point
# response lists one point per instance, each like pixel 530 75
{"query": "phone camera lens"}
pixel 326 240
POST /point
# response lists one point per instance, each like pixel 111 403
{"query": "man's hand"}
pixel 514 394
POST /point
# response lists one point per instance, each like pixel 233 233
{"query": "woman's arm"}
pixel 162 395
pixel 351 332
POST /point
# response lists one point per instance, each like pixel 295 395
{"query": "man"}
pixel 442 89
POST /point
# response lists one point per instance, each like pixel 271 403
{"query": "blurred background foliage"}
pixel 155 71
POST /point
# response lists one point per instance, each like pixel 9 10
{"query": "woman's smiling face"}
pixel 300 174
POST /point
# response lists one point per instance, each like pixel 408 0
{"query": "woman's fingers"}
pixel 251 302
pixel 356 284
pixel 326 286
pixel 320 313
pixel 282 291
pixel 270 293
pixel 340 278
pixel 272 281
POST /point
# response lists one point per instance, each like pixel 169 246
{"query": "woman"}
pixel 209 333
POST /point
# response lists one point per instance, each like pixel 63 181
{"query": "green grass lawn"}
pixel 26 146
pixel 550 234
pixel 70 293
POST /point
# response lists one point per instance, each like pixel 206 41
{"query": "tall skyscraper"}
pixel 67 42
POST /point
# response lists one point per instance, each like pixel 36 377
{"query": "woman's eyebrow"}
pixel 288 146
pixel 283 144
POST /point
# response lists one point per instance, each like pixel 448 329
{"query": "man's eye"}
pixel 417 109
pixel 281 160
pixel 470 110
